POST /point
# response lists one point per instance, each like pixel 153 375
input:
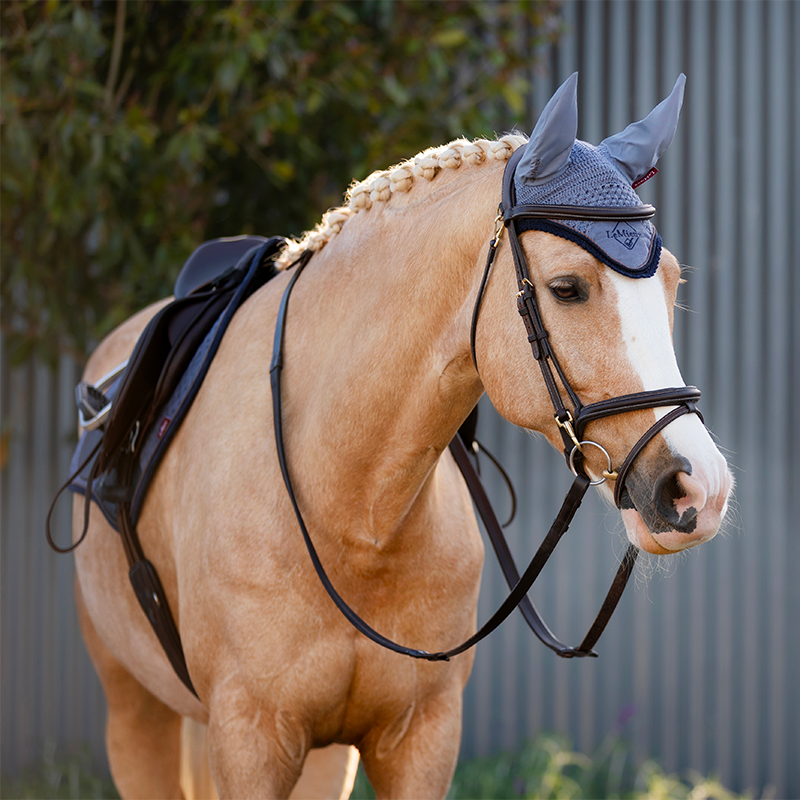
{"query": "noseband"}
pixel 571 424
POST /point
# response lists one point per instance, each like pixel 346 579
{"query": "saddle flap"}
pixel 143 374
pixel 172 336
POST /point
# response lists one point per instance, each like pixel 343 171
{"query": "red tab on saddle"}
pixel 164 425
pixel 644 178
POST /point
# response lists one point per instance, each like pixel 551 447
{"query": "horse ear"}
pixel 637 149
pixel 553 137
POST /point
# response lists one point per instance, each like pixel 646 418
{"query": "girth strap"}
pixel 152 597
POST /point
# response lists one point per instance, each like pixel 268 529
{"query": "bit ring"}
pixel 608 473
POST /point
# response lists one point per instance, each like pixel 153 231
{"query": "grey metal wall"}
pixel 49 694
pixel 703 654
pixel 698 667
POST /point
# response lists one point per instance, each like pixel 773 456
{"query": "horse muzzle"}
pixel 670 503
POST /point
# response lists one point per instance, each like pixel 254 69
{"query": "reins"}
pixel 522 584
pixel 571 424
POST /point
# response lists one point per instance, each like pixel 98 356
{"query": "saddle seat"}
pixel 211 260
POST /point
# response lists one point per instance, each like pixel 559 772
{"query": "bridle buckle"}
pixel 566 424
pixel 522 291
pixel 499 227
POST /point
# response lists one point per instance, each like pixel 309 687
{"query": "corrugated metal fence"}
pixel 698 667
pixel 50 694
pixel 702 659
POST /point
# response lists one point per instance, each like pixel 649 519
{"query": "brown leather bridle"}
pixel 571 424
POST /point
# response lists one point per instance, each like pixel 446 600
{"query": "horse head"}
pixel 603 291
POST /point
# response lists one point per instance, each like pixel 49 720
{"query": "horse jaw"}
pixel 700 482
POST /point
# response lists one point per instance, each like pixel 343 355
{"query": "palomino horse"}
pixel 378 376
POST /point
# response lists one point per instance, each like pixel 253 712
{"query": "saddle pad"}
pixel 107 492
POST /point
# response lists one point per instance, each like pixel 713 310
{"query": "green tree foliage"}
pixel 132 132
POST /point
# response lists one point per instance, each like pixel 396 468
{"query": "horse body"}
pixel 390 517
pixel 378 377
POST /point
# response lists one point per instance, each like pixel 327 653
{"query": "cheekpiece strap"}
pixel 528 308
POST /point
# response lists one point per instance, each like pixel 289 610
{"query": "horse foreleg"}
pixel 328 773
pixel 254 749
pixel 143 736
pixel 415 754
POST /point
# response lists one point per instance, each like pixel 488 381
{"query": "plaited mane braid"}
pixel 381 185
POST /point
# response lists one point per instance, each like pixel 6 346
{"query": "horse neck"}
pixel 378 372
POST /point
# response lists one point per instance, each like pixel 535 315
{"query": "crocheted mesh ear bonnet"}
pixel 558 169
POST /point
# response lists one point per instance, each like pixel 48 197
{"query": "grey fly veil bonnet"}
pixel 558 169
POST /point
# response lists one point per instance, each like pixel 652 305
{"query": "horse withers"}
pixel 378 375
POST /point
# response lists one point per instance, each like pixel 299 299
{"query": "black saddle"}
pixel 206 286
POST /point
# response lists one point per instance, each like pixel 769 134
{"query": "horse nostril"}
pixel 678 499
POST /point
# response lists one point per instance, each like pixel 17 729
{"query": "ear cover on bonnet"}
pixel 559 169
pixel 549 148
pixel 637 149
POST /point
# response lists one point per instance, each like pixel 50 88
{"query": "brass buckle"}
pixel 519 294
pixel 567 426
pixel 498 230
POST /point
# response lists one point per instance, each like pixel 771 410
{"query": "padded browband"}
pixel 584 213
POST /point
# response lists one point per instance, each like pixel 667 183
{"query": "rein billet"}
pixel 571 425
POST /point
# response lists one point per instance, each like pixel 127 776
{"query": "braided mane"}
pixel 381 185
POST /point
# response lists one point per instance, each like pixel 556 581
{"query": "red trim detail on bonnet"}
pixel 644 178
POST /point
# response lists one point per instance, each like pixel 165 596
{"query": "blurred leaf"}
pixel 549 768
pixel 452 37
pixel 224 117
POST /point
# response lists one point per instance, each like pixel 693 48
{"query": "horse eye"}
pixel 566 290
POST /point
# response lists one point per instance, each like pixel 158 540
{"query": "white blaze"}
pixel 643 312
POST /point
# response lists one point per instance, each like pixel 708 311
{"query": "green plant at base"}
pixel 546 769
pixel 59 778
pixel 549 769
